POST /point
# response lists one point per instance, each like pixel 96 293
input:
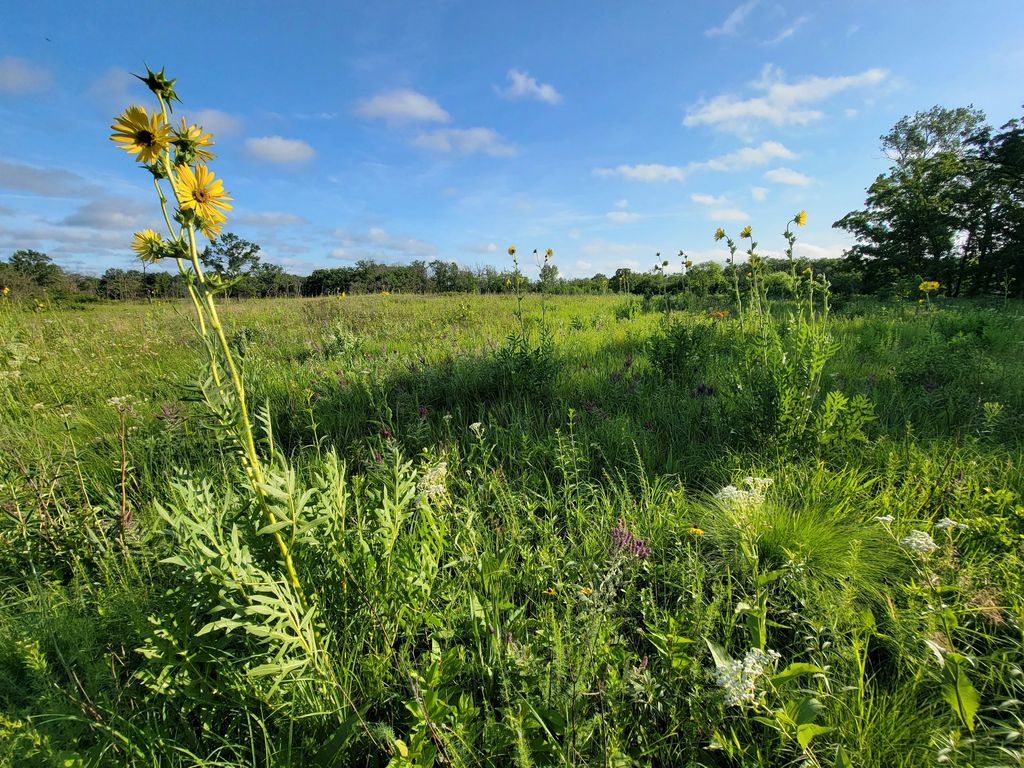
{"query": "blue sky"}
pixel 400 131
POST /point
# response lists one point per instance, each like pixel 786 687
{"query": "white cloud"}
pixel 21 76
pixel 378 243
pixel 275 149
pixel 113 86
pixel 403 105
pixel 218 122
pixel 119 214
pixel 728 214
pixel 621 204
pixel 583 265
pixel 645 172
pixel 47 182
pixel 268 218
pixel 811 251
pixel 759 193
pixel 788 176
pixel 747 157
pixel 740 159
pixel 733 21
pixel 708 199
pixel 788 32
pixel 466 141
pixel 780 104
pixel 523 86
pixel 623 217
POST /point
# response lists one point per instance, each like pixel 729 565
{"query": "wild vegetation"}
pixel 764 527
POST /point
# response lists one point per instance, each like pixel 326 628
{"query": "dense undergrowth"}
pixel 617 536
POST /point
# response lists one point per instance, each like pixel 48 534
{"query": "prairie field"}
pixel 534 530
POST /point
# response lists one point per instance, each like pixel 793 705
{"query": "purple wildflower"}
pixel 624 541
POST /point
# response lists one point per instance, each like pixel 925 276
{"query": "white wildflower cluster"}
pixel 432 484
pixel 946 522
pixel 885 519
pixel 920 542
pixel 739 677
pixel 122 403
pixel 752 492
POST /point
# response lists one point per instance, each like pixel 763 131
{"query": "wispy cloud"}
pixel 268 218
pixel 378 243
pixel 623 217
pixel 523 86
pixel 708 199
pixel 788 176
pixel 733 21
pixel 402 105
pixel 759 193
pixel 22 76
pixel 787 32
pixel 276 149
pixel 645 172
pixel 466 141
pixel 46 182
pixel 219 122
pixel 728 214
pixel 781 103
pixel 738 160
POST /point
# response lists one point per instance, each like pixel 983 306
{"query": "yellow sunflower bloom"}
pixel 549 253
pixel 550 592
pixel 929 285
pixel 801 218
pixel 695 531
pixel 148 245
pixel 746 231
pixel 192 143
pixel 203 194
pixel 141 134
pixel 719 234
pixel 511 250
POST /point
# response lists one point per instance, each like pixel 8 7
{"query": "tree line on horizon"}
pixel 950 208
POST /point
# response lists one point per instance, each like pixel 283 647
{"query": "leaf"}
pixel 796 669
pixel 807 731
pixel 718 653
pixel 961 695
pixel 842 759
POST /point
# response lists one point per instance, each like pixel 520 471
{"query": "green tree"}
pixel 36 266
pixel 232 259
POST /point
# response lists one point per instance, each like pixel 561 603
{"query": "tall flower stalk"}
pixel 178 157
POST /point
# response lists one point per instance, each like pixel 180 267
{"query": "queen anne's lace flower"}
pixel 752 493
pixel 920 542
pixel 949 523
pixel 738 678
pixel 432 484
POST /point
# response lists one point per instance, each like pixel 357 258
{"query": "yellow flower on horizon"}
pixel 203 194
pixel 148 245
pixel 549 253
pixel 719 234
pixel 192 137
pixel 141 134
pixel 511 250
pixel 801 218
pixel 746 231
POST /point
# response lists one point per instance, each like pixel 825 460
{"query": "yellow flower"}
pixel 511 250
pixel 746 231
pixel 808 271
pixel 719 234
pixel 696 531
pixel 550 592
pixel 148 245
pixel 191 143
pixel 199 192
pixel 929 285
pixel 549 253
pixel 7 291
pixel 141 134
pixel 801 218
